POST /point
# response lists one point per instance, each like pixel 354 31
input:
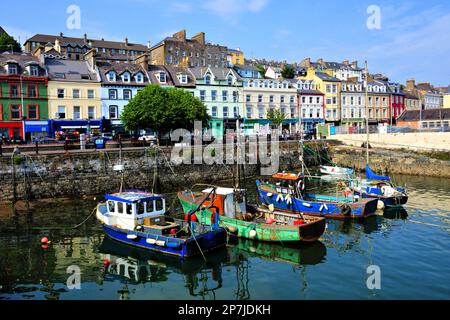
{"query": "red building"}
pixel 397 106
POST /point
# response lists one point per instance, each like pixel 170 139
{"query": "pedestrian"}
pixel 66 146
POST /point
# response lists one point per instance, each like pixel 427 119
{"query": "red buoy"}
pixel 173 231
pixel 193 218
pixel 270 221
pixel 299 222
pixel 44 240
pixel 44 246
pixel 106 262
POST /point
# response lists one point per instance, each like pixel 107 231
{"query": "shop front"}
pixel 36 129
pixel 61 128
pixel 11 129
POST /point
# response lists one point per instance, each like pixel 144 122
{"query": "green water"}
pixel 412 252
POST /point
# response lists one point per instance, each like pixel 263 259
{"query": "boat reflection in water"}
pixel 202 279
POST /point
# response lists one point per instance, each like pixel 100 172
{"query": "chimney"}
pixel 85 38
pixel 355 64
pixel 346 63
pixel 410 84
pixel 126 41
pixel 199 37
pixel 142 60
pixel 149 44
pixel 180 35
pixel 320 61
pixel 61 34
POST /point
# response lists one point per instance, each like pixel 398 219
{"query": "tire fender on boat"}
pixel 232 229
pixel 150 241
pixel 252 234
pixel 346 210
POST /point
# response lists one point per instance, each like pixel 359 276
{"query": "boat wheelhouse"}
pixel 288 193
pixel 249 223
pixel 139 219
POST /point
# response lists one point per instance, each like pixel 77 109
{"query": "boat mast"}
pixel 301 137
pixel 366 80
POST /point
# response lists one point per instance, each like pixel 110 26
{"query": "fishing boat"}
pixel 335 170
pixel 270 226
pixel 138 219
pixel 287 193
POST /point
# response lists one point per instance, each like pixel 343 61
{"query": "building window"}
pixel 249 112
pixel 32 91
pixel 207 79
pixel 112 94
pixel 91 94
pixel 235 96
pixel 183 78
pixel 261 112
pixel 214 112
pixel 213 95
pixel 112 77
pixel 162 77
pixel 248 98
pixel 235 112
pixel 61 112
pixel 60 93
pixel 113 112
pixel 230 81
pixel 292 112
pixel 91 112
pixel 260 98
pixel 292 99
pixel 15 112
pixel 76 93
pixel 14 91
pixel 225 112
pixel 34 71
pixel 282 99
pixel 76 112
pixel 126 94
pixel 126 77
pixel 139 78
pixel 270 99
pixel 12 69
pixel 202 95
pixel 224 95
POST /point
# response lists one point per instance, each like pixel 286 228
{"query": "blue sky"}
pixel 413 42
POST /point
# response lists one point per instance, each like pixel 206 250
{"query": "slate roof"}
pixel 326 77
pixel 119 69
pixel 430 114
pixel 22 60
pixel 410 96
pixel 72 70
pixel 334 66
pixel 219 73
pixel 65 41
pixel 174 71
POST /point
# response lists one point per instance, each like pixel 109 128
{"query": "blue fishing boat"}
pixel 381 188
pixel 288 193
pixel 138 219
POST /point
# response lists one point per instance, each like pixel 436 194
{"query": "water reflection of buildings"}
pixel 202 279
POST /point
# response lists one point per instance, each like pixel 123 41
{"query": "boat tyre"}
pixel 346 210
pixel 231 229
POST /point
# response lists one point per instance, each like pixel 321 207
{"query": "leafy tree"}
pixel 276 116
pixel 6 42
pixel 163 110
pixel 288 72
pixel 260 69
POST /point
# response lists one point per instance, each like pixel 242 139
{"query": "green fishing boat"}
pixel 270 225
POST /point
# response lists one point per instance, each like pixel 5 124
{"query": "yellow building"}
pixel 74 90
pixel 235 56
pixel 331 88
pixel 447 100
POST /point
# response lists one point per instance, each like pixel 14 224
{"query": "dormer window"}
pixel 126 77
pixel 208 79
pixel 33 71
pixel 183 78
pixel 161 76
pixel 112 77
pixel 12 68
pixel 139 78
pixel 230 81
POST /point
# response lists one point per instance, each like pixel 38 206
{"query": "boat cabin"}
pixel 132 208
pixel 228 201
pixel 288 183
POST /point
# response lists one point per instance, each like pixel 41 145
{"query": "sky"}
pixel 407 39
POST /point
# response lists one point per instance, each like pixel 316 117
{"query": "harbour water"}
pixel 411 249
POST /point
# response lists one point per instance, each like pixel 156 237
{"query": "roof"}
pixel 286 176
pixel 326 77
pixel 133 196
pixel 218 73
pixel 430 114
pixel 410 96
pixel 23 60
pixel 246 67
pixel 64 41
pixel 70 70
pixel 335 66
pixel 120 68
pixel 175 71
pixel 221 191
pixel 2 30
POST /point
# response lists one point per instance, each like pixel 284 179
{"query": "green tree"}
pixel 163 110
pixel 260 69
pixel 7 43
pixel 276 116
pixel 288 72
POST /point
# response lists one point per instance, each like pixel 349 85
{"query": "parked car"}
pixel 123 137
pixel 16 140
pixel 147 137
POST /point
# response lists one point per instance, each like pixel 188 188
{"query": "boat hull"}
pixel 261 231
pixel 394 201
pixel 185 249
pixel 320 207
